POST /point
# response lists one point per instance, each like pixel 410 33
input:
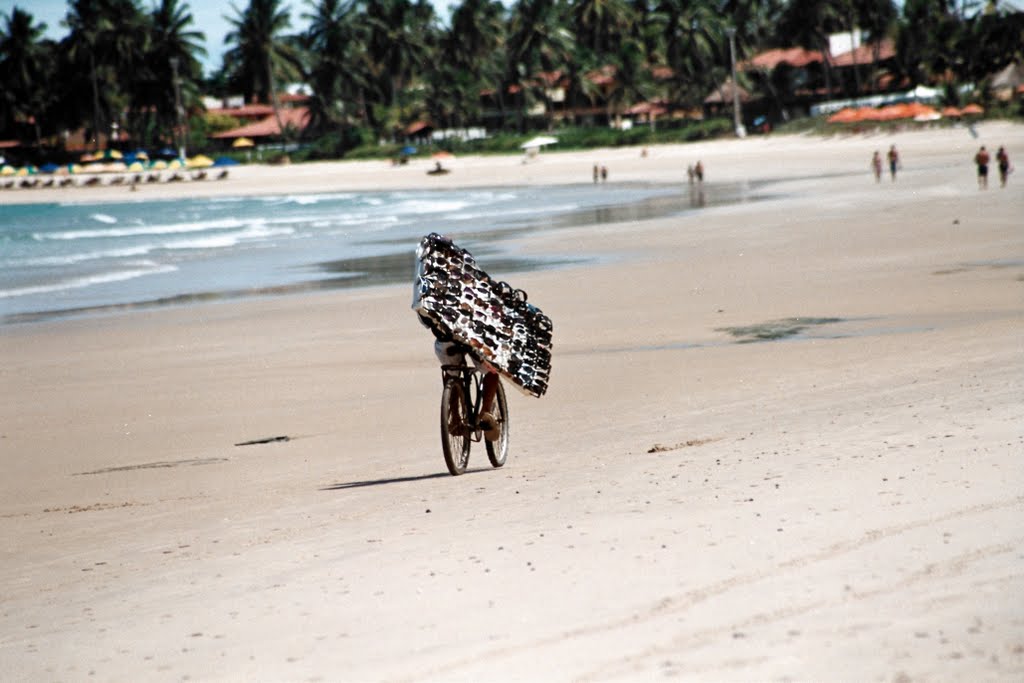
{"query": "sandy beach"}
pixel 688 501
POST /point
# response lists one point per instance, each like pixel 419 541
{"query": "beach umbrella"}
pixel 845 115
pixel 242 142
pixel 922 112
pixel 200 161
pixel 141 155
pixel 167 153
pixel 136 166
pixel 408 150
pixel 113 154
pixel 87 157
pixel 175 163
pixel 974 109
pixel 538 142
pixel 950 111
pixel 49 167
pixel 443 156
pixel 7 170
pixel 225 161
pixel 158 165
pixel 74 168
pixel 26 170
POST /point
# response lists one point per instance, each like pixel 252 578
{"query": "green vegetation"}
pixel 374 67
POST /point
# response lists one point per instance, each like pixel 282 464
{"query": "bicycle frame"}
pixel 471 381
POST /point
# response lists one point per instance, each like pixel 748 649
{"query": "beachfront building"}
pixel 792 80
pixel 261 125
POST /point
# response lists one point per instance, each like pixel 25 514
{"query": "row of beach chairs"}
pixel 29 183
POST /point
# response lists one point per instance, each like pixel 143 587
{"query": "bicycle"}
pixel 461 400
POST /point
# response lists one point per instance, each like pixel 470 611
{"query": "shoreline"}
pixel 682 502
pixel 655 201
pixel 665 164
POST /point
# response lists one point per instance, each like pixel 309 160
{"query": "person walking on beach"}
pixel 604 174
pixel 981 160
pixel 1003 159
pixel 876 166
pixel 894 161
pixel 597 173
pixel 698 171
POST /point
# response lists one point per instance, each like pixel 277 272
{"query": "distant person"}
pixel 981 160
pixel 691 173
pixel 597 173
pixel 876 165
pixel 1003 159
pixel 894 161
pixel 698 172
pixel 604 174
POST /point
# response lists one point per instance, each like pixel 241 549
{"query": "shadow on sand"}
pixel 395 480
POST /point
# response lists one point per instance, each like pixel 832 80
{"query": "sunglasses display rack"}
pixel 490 317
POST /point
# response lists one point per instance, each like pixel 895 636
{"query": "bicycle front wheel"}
pixel 455 432
pixel 497 450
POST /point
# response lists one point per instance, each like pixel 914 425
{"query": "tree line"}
pixel 376 65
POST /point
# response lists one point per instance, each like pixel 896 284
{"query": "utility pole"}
pixel 179 131
pixel 736 117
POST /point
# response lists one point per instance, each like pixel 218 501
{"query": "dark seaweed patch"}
pixel 774 329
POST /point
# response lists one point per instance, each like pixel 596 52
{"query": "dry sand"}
pixel 845 505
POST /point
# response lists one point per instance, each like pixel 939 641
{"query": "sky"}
pixel 207 15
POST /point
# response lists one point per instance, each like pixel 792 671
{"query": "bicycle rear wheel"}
pixel 455 433
pixel 497 451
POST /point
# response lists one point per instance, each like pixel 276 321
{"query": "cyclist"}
pixel 451 352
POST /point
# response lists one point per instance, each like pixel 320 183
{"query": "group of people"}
pixel 982 160
pixel 696 172
pixel 600 173
pixel 892 156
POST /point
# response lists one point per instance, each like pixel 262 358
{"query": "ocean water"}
pixel 72 257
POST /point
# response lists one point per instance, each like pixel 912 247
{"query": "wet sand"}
pixel 840 500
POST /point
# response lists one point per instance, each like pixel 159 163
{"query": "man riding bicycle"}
pixel 451 352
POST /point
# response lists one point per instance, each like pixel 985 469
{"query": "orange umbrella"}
pixel 950 111
pixel 847 115
pixel 972 109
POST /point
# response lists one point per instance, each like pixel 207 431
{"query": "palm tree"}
pixel 261 55
pixel 809 23
pixel 926 43
pixel 601 24
pixel 327 41
pixel 694 41
pixel 171 41
pixel 106 40
pixel 397 38
pixel 538 41
pixel 471 49
pixel 24 68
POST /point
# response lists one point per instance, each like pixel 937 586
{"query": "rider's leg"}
pixel 491 428
pixel 490 389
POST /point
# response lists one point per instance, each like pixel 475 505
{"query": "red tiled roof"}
pixel 865 54
pixel 417 127
pixel 723 94
pixel 297 117
pixel 794 56
pixel 655 108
